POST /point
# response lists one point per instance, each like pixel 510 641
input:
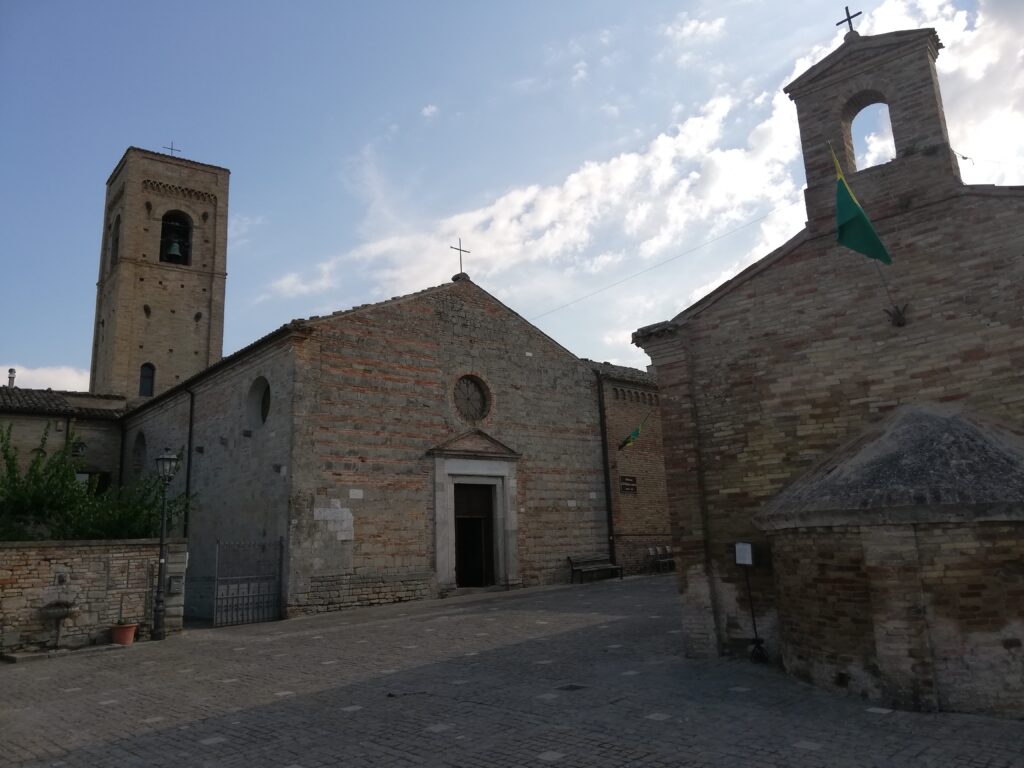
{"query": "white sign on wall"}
pixel 744 553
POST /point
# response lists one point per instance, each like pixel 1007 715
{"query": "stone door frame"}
pixel 449 471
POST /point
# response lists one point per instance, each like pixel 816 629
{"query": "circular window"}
pixel 259 402
pixel 472 398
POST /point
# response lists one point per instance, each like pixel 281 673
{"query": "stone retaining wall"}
pixel 104 580
pixel 329 593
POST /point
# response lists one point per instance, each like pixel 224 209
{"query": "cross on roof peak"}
pixel 849 19
pixel 461 251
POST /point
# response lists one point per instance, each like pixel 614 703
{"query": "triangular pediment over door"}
pixel 475 458
pixel 474 444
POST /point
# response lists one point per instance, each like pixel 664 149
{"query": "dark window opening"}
pixel 147 379
pixel 98 481
pixel 176 239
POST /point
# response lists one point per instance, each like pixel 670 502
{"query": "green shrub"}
pixel 47 501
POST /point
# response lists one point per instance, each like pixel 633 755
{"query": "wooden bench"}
pixel 595 563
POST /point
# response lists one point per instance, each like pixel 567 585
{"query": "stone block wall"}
pixel 926 617
pixel 331 593
pixel 639 507
pixel 106 580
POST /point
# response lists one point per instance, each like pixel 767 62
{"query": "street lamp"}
pixel 166 467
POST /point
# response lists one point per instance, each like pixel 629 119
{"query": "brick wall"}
pixel 927 617
pixel 342 467
pixel 640 518
pixel 148 311
pixel 375 393
pixel 788 365
pixel 106 580
pixel 786 361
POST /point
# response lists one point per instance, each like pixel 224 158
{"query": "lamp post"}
pixel 166 467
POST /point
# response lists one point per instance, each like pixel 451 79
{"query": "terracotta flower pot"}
pixel 123 634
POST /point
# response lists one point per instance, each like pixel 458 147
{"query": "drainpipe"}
pixel 188 460
pixel 120 465
pixel 607 466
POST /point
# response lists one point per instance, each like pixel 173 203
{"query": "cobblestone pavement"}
pixel 571 676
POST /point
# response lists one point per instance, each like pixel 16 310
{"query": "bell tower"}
pixel 896 69
pixel 163 265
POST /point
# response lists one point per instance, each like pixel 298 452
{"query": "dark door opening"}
pixel 474 535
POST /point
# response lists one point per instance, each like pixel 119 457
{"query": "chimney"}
pixel 10 376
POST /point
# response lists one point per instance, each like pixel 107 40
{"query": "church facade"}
pixel 400 450
pixel 763 379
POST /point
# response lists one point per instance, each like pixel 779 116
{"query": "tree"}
pixel 48 501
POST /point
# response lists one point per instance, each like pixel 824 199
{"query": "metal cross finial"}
pixel 172 149
pixel 461 251
pixel 849 19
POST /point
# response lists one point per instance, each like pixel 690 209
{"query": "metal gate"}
pixel 247 586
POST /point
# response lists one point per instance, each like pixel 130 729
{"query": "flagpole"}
pixel 897 315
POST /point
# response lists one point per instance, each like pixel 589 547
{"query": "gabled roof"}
pixel 920 456
pixel 622 373
pixel 861 51
pixel 724 289
pixel 301 326
pixel 47 402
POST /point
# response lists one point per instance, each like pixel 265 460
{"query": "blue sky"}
pixel 569 144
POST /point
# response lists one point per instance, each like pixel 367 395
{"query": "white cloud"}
pixel 61 377
pixel 685 30
pixel 430 111
pixel 579 72
pixel 720 165
pixel 610 110
pixel 648 199
pixel 293 284
pixel 239 228
pixel 880 149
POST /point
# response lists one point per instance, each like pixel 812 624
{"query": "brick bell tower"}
pixel 163 265
pixel 896 69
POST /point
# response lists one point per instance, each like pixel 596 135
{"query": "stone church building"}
pixel 785 397
pixel 393 451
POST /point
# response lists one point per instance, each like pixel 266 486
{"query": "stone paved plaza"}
pixel 577 676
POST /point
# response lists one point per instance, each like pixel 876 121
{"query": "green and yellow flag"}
pixel 635 434
pixel 631 437
pixel 853 227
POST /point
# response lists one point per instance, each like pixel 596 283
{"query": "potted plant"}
pixel 123 632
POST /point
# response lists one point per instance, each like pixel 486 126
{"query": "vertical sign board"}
pixel 744 553
pixel 627 484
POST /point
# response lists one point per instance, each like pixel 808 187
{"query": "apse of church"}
pixel 771 372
